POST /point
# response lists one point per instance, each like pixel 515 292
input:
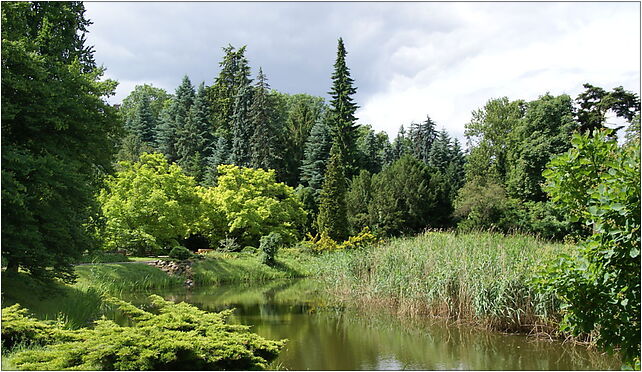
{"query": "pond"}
pixel 325 337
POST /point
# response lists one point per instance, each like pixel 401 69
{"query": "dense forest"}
pixel 225 166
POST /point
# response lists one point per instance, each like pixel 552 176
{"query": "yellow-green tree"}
pixel 149 205
pixel 247 204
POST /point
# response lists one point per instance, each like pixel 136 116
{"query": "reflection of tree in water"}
pixel 324 336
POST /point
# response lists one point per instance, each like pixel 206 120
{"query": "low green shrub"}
pixel 174 336
pixel 180 253
pixel 269 245
pixel 20 328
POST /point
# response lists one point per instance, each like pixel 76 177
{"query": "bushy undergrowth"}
pixel 174 336
pixel 483 277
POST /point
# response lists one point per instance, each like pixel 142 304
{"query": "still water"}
pixel 324 337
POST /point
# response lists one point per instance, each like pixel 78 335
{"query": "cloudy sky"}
pixel 408 60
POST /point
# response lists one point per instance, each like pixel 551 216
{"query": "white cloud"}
pixel 449 75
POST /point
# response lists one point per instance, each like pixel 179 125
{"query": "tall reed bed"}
pixel 481 277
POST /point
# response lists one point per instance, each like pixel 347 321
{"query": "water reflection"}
pixel 323 337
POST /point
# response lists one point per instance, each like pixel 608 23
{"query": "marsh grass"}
pixel 482 278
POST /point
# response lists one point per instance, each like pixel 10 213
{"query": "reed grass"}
pixel 484 278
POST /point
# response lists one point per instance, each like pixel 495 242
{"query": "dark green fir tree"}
pixel 317 151
pixel 342 110
pixel 263 139
pixel 222 95
pixel 333 213
pixel 241 152
pixel 174 118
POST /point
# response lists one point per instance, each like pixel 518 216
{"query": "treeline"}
pixel 60 138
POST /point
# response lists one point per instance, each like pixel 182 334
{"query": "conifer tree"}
pixel 333 212
pixel 192 138
pixel 370 152
pixel 401 145
pixel 174 119
pixel 220 154
pixel 422 137
pixel 342 110
pixel 241 128
pixel 263 146
pixel 439 156
pixel 143 124
pixel 317 151
pixel 222 95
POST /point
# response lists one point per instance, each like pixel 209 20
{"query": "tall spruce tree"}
pixel 440 153
pixel 143 124
pixel 263 139
pixel 193 138
pixel 333 212
pixel 342 109
pixel 242 128
pixel 222 95
pixel 174 119
pixel 317 151
pixel 422 137
pixel 401 145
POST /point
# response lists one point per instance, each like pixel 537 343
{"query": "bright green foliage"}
pixel 358 199
pixel 342 109
pixel 174 119
pixel 595 102
pixel 317 152
pixel 263 140
pixel 247 204
pixel 58 136
pixel 422 136
pixel 242 128
pixel 363 239
pixel 489 131
pixel 544 131
pixel 149 205
pixel 180 253
pixel 403 197
pixel 332 218
pixel 597 183
pixel 322 242
pixel 234 74
pixel 20 328
pixel 269 245
pixel 175 336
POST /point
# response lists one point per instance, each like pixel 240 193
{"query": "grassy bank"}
pixel 484 278
pixel 244 267
pixel 80 303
